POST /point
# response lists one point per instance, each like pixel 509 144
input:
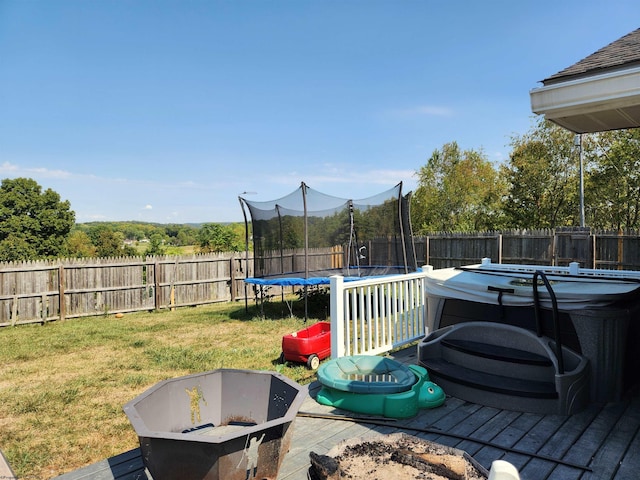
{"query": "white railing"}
pixel 376 315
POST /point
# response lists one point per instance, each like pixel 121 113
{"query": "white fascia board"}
pixel 587 95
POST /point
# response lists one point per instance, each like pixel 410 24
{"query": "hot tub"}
pixel 598 311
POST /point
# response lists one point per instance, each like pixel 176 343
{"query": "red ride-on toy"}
pixel 309 345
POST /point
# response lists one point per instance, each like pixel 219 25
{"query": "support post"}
pixel 578 144
pixel 232 274
pixel 336 283
pixel 61 300
pixel 156 285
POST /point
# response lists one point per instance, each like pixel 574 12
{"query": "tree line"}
pixel 113 239
pixel 37 224
pixel 538 186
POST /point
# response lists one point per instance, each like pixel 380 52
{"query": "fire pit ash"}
pixel 397 456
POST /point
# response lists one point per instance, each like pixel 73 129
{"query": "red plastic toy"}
pixel 309 345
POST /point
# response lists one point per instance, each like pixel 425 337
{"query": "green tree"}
pixel 542 178
pixel 33 223
pixel 457 191
pixel 156 245
pixel 612 188
pixel 238 230
pixel 185 237
pixel 16 247
pixel 110 243
pixel 214 237
pixel 132 231
pixel 79 245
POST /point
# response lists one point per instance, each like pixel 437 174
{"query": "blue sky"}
pixel 165 111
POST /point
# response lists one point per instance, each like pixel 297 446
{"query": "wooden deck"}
pixel 601 442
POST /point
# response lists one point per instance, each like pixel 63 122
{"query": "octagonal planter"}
pixel 222 424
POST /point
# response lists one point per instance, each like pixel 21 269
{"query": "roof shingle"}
pixel 622 52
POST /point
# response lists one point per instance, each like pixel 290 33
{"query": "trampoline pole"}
pixel 306 249
pixel 401 225
pixel 306 232
pixel 350 244
pixel 246 256
pixel 407 218
pixel 281 242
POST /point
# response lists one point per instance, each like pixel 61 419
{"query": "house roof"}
pixel 621 53
pixel 600 92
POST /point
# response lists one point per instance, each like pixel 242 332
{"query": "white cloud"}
pixel 47 173
pixel 38 172
pixel 8 167
pixel 148 207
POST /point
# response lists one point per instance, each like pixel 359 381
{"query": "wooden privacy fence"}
pixel 555 247
pixel 41 291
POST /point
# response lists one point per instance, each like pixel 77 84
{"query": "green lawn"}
pixel 63 384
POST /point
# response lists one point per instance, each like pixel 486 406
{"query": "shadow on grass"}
pixel 296 371
pixel 315 309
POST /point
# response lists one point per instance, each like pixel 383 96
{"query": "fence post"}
pixel 499 248
pixel 14 311
pixel 44 301
pixel 426 250
pixel 620 250
pixel 61 300
pixel 156 286
pixel 172 286
pixel 232 274
pixel 336 283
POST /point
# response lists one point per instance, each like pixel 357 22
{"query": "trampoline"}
pixel 305 237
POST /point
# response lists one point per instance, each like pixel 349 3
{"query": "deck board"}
pixel 630 465
pixel 125 466
pixel 509 438
pixel 617 444
pixel 602 442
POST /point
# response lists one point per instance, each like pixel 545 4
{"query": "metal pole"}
pixel 306 249
pixel 246 250
pixel 578 144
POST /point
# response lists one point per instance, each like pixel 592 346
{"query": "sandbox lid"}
pixel 366 374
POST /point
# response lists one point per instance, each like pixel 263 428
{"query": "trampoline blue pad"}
pixel 323 277
pixel 292 281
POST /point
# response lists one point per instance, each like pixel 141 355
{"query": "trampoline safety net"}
pixel 307 236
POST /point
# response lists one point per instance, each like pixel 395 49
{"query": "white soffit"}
pixel 591 104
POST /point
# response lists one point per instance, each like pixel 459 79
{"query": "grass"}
pixel 63 384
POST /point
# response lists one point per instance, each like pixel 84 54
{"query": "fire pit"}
pixel 398 456
pixel 222 424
